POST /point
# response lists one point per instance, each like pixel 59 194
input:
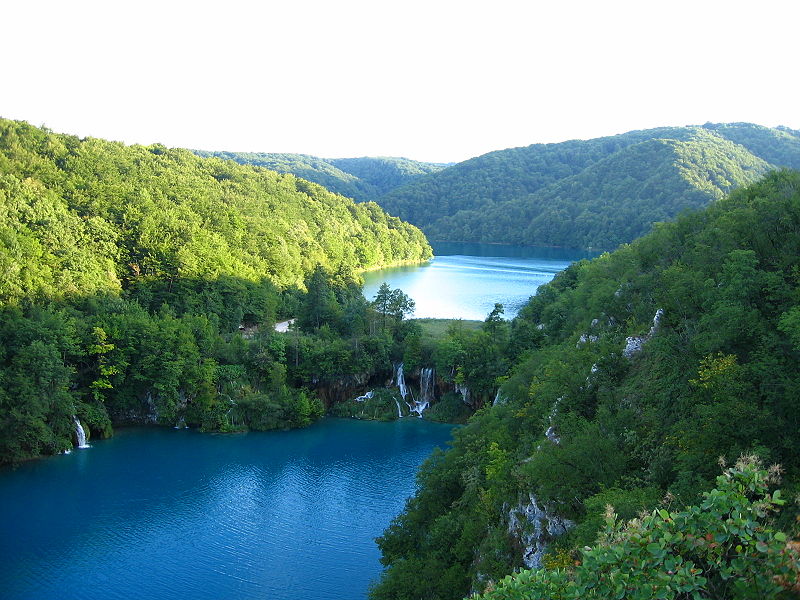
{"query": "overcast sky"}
pixel 434 80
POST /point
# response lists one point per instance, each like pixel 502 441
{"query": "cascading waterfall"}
pixel 401 382
pixel 365 397
pixel 399 411
pixel 80 434
pixel 464 391
pixel 426 383
pixel 499 398
pixel 426 392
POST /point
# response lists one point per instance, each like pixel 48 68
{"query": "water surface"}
pixel 464 281
pixel 157 513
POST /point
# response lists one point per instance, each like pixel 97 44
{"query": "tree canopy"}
pixel 591 194
pixel 362 179
pixel 141 284
pixel 624 380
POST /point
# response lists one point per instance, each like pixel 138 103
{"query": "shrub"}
pixel 722 548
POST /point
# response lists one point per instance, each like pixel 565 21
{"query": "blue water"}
pixel 463 281
pixel 165 514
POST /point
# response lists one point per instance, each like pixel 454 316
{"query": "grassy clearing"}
pixel 437 328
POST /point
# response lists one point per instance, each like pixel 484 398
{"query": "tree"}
pixel 392 303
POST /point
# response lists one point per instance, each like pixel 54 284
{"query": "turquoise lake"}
pixel 463 281
pixel 176 514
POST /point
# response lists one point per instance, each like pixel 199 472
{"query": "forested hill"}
pixel 141 285
pixel 591 194
pixel 626 380
pixel 363 178
pixel 83 216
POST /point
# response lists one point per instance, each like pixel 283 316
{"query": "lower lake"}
pixel 166 514
pixel 464 281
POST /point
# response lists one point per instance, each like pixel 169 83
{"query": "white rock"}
pixel 534 526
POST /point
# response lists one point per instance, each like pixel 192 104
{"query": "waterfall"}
pixel 401 382
pixel 426 385
pixel 499 398
pixel 365 397
pixel 419 407
pixel 399 412
pixel 426 392
pixel 80 433
pixel 464 391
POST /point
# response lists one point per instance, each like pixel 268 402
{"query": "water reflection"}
pixel 464 281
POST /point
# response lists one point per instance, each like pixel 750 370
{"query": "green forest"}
pixel 621 433
pixel 592 194
pixel 362 179
pixel 628 384
pixel 140 284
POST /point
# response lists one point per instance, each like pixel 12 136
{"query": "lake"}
pixel 463 281
pixel 175 514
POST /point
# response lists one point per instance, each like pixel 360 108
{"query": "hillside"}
pixel 591 194
pixel 629 378
pixel 140 285
pixel 363 179
pixel 82 216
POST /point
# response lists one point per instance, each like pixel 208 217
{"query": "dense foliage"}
pixel 81 216
pixel 360 178
pixel 721 548
pixel 625 378
pixel 591 194
pixel 140 284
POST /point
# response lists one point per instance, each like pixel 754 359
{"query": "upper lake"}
pixel 166 514
pixel 464 281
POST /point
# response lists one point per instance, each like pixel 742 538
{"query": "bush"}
pixel 722 548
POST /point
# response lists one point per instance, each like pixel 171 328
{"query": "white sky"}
pixel 435 80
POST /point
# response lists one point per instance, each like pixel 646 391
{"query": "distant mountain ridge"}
pixel 591 194
pixel 362 179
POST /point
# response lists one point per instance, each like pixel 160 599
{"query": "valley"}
pixel 142 285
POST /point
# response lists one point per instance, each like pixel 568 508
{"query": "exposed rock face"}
pixel 340 389
pixel 635 344
pixel 534 527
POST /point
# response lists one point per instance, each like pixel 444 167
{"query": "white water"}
pixel 401 382
pixel 399 412
pixel 80 433
pixel 464 391
pixel 365 397
pixel 426 392
pixel 426 383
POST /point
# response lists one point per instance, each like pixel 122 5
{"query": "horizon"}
pixel 439 82
pixel 448 163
